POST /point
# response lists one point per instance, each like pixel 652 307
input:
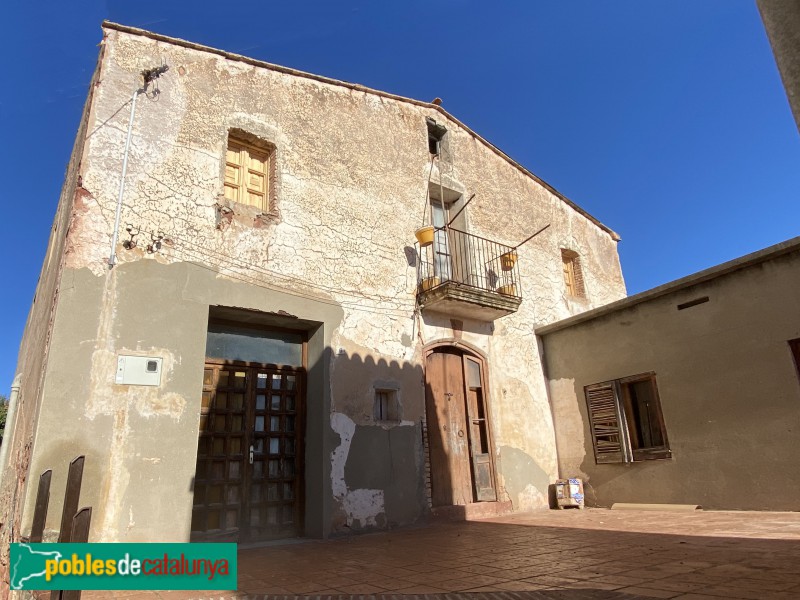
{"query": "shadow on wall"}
pixel 377 460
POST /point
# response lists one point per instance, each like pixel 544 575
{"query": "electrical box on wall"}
pixel 138 370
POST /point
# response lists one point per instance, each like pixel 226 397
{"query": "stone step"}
pixel 471 512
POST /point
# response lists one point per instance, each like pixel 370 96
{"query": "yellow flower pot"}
pixel 428 283
pixel 508 289
pixel 425 235
pixel 508 260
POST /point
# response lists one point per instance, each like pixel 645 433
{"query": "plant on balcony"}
pixel 509 289
pixel 424 235
pixel 508 260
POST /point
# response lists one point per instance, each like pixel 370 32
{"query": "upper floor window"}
pixel 435 136
pixel 448 246
pixel 573 275
pixel 249 170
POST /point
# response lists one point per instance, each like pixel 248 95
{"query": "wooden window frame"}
pixel 650 452
pixel 573 274
pixel 794 346
pixel 611 424
pixel 436 133
pixel 392 413
pixel 249 147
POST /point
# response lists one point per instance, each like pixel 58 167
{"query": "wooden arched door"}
pixel 462 465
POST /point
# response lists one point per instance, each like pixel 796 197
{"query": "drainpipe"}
pixel 149 75
pixel 10 426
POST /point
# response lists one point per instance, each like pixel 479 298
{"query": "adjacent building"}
pixel 688 393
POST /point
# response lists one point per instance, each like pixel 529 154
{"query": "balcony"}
pixel 467 276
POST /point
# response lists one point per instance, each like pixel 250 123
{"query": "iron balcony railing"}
pixel 469 260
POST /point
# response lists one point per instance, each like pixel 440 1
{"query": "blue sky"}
pixel 664 119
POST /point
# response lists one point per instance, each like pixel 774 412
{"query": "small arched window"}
pixel 573 275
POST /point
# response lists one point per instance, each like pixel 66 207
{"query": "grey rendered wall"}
pixel 141 442
pixel 728 386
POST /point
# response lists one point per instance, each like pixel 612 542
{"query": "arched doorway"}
pixel 459 433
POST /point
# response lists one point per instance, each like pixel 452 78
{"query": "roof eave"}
pixel 726 268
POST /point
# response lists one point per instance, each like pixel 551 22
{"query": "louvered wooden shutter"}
pixel 247 174
pixel 606 424
pixel 256 178
pixel 234 158
pixel 569 274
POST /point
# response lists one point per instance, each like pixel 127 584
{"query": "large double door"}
pixel 249 478
pixel 462 466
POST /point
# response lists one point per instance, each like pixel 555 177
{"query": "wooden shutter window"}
pixel 247 174
pixel 573 276
pixel 646 429
pixel 605 423
pixel 626 421
pixel 569 275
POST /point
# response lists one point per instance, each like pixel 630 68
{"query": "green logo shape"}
pixel 123 567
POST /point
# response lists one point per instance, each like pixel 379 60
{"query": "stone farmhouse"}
pixel 237 327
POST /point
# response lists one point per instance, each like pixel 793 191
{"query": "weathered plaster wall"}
pixel 352 174
pixel 34 353
pixel 728 386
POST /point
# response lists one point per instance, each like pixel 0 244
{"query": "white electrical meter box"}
pixel 138 370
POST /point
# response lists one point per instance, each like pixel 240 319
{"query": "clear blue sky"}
pixel 665 119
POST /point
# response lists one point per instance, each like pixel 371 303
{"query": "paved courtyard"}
pixel 564 555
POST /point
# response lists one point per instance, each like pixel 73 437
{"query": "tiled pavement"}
pixel 563 555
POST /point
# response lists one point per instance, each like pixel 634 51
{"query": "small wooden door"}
pixel 480 451
pixel 248 480
pixel 451 481
pixel 462 469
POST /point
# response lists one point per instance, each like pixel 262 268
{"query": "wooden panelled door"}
pixel 249 476
pixel 462 467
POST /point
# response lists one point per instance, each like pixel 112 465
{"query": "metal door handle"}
pixel 477 421
pixel 251 454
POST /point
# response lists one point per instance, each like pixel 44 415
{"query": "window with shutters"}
pixel 626 421
pixel 794 345
pixel 436 133
pixel 573 276
pixel 249 173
